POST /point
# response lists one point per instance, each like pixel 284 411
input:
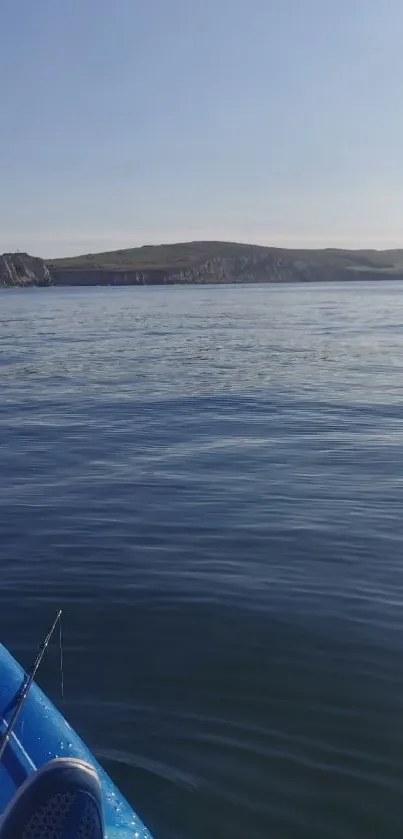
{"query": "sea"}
pixel 209 482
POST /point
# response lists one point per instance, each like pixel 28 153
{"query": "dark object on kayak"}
pixel 33 733
pixel 61 800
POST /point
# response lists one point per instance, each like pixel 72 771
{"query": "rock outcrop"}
pixel 20 269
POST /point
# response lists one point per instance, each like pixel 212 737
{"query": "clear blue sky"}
pixel 126 122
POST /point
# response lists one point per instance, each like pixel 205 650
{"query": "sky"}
pixel 131 122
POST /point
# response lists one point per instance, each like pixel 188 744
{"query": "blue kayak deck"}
pixel 41 734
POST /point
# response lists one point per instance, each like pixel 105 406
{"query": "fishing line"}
pixel 61 656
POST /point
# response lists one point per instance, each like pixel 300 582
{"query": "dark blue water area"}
pixel 209 482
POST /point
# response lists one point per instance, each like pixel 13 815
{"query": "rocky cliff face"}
pixel 243 269
pixel 105 276
pixel 20 269
pixel 267 268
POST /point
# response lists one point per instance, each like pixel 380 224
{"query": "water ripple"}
pixel 208 481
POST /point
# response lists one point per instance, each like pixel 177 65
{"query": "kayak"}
pixel 39 734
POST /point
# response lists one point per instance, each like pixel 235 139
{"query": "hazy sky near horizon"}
pixel 128 122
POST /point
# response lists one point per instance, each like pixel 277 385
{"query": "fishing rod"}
pixel 29 678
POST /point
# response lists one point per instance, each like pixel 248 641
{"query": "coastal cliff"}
pixel 224 262
pixel 202 262
pixel 20 269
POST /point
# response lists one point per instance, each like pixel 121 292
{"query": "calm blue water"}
pixel 210 482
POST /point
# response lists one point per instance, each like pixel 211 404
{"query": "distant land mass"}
pixel 202 262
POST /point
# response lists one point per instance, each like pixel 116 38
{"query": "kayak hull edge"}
pixel 41 734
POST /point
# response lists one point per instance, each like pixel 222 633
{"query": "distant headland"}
pixel 192 263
